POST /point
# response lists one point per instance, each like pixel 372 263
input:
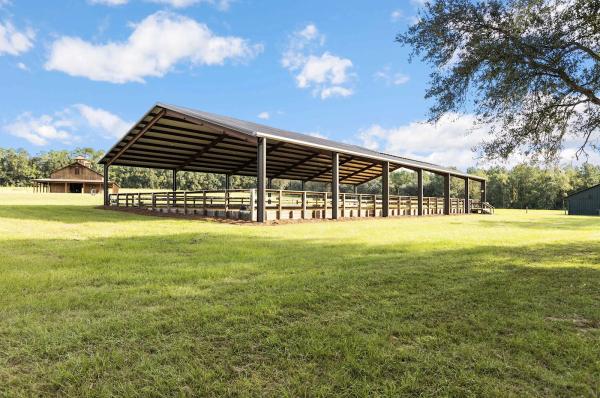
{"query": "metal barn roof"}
pixel 173 137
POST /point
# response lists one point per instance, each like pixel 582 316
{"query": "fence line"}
pixel 282 204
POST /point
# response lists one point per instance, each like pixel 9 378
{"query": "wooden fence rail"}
pixel 280 204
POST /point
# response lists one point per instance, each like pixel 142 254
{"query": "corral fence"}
pixel 284 204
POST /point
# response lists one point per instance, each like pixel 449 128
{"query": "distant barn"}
pixel 585 202
pixel 77 177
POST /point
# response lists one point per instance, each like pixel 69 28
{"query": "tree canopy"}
pixel 522 186
pixel 529 70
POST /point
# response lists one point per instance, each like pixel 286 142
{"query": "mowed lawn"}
pixel 104 303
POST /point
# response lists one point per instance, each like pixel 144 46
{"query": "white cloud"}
pixel 156 45
pixel 111 125
pixel 391 78
pixel 400 78
pixel 220 4
pixel 109 2
pixel 13 41
pixel 38 131
pixel 326 74
pixel 264 115
pixel 447 142
pixel 414 20
pixel 323 69
pixel 450 142
pixel 310 32
pixel 335 91
pixel 22 66
pixel 67 125
pixel 396 15
pixel 418 3
pixel 569 154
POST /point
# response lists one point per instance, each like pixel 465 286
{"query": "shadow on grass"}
pixel 66 214
pixel 225 314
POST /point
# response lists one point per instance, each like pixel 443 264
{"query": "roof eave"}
pixel 381 157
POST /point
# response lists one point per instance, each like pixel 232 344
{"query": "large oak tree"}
pixel 529 69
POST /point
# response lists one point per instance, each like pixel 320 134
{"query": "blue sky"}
pixel 78 72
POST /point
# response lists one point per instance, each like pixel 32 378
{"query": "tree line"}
pixel 524 185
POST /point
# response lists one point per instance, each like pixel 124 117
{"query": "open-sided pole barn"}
pixel 182 139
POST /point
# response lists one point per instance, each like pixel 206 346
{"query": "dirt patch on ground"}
pixel 581 323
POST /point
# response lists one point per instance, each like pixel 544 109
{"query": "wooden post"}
pixel 335 184
pixel 227 181
pixel 83 188
pixel 105 185
pixel 303 204
pixel 184 202
pixel 420 192
pixel 483 191
pixel 374 205
pixel 356 189
pixel 153 201
pixel 385 186
pixel 226 198
pixel 252 205
pixel 360 205
pixel 325 205
pixel 467 205
pixel 139 199
pixel 261 173
pixel 447 194
pixel 280 204
pixel 343 205
pixel 174 189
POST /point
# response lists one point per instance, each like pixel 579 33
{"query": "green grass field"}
pixel 103 303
